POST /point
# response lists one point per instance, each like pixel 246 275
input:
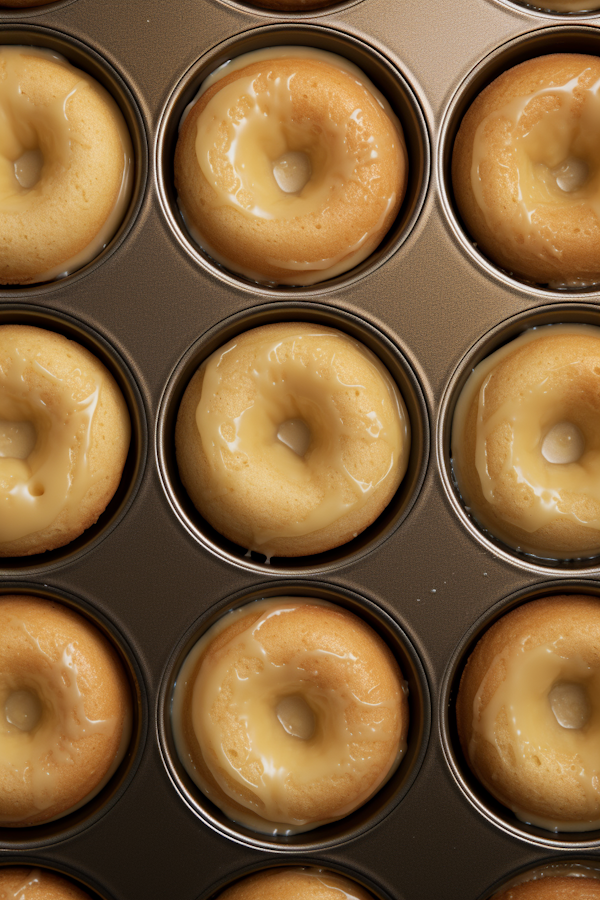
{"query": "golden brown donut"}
pixel 528 712
pixel 295 883
pixel 65 711
pixel 291 439
pixel 553 887
pixel 306 183
pixel 65 166
pixel 526 170
pixel 36 884
pixel 526 442
pixel 64 437
pixel 290 713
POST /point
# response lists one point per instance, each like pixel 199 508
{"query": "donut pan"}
pixel 152 574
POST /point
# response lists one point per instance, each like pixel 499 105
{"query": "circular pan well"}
pixel 575 313
pixel 73 823
pixel 86 59
pixel 400 504
pixel 214 892
pixel 19 314
pixel 578 866
pixel 384 76
pixel 558 39
pixel 475 792
pixel 392 792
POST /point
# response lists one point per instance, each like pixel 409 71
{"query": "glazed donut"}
pixel 305 183
pixel 289 713
pixel 65 166
pixel 526 170
pixel 526 442
pixel 291 439
pixel 64 437
pixel 36 884
pixel 65 711
pixel 528 712
pixel 554 887
pixel 295 883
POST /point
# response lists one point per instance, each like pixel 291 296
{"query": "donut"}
pixel 528 712
pixel 291 439
pixel 65 711
pixel 66 166
pixel 36 884
pixel 289 713
pixel 64 437
pixel 295 883
pixel 525 442
pixel 290 166
pixel 526 170
pixel 553 887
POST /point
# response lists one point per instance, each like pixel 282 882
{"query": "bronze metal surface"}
pixel 152 306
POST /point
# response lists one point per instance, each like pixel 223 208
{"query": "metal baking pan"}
pixel 152 573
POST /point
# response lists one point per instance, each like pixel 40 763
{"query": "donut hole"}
pixel 296 435
pixel 571 704
pixel 36 146
pixel 23 709
pixel 296 716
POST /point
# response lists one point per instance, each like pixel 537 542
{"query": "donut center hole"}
pixel 23 709
pixel 295 434
pixel 17 439
pixel 28 168
pixel 296 717
pixel 572 174
pixel 570 704
pixel 292 171
pixel 564 443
